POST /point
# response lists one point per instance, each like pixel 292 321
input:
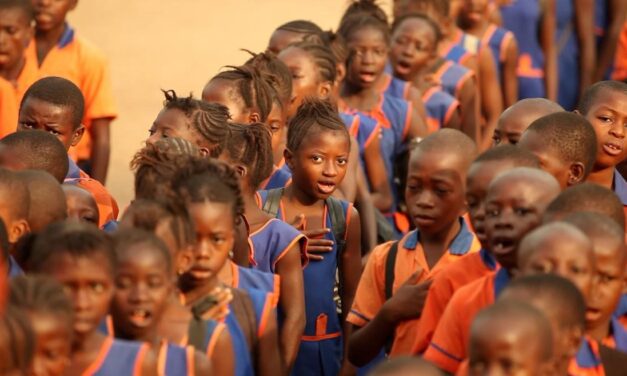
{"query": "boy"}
pixel 57 51
pixel 81 205
pixel 483 170
pixel 566 145
pixel 14 207
pixel 516 119
pixel 511 336
pixel 389 298
pixel 47 201
pixel 514 206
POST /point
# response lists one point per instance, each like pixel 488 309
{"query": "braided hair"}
pixel 251 145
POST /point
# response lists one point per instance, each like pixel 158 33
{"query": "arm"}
pixel 469 110
pixel 584 17
pixel 202 365
pixel 547 41
pixel 607 48
pixel 222 359
pixel 348 189
pixel 241 251
pixel 415 97
pixel 510 80
pixel 491 97
pixel 350 271
pixel 379 186
pixel 100 150
pixel 268 356
pixel 417 126
pixel 292 301
pixel 454 120
pixel 366 208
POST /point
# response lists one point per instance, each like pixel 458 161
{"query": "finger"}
pixel 320 242
pixel 317 232
pixel 298 221
pixel 313 257
pixel 319 250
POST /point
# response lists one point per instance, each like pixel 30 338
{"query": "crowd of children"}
pixel 443 194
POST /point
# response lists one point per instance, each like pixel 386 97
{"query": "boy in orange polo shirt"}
pixel 59 52
pixel 396 278
pixel 514 206
pixel 483 170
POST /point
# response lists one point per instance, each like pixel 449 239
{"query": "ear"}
pixel 204 152
pixel 576 173
pixel 254 117
pixel 340 73
pixel 289 158
pixel 324 89
pixel 241 170
pixel 184 260
pixel 78 135
pixel 18 229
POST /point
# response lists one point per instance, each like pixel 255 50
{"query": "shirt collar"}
pixel 460 245
pixel 620 187
pixel 488 260
pixel 620 334
pixel 587 356
pixel 67 37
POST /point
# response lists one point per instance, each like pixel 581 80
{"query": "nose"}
pixel 424 199
pixel 81 300
pixel 330 169
pixel 153 137
pixel 618 130
pixel 202 251
pixel 139 293
pixel 504 220
pixel 408 50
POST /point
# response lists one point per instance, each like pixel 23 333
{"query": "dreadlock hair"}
pixel 590 95
pixel 360 21
pixel 59 92
pixel 17 342
pixel 77 239
pixel 254 88
pixel 422 17
pixel 278 74
pixel 210 120
pixel 251 145
pixel 311 114
pixel 365 7
pixel 322 57
pixel 201 179
pixel 41 294
pixel 125 240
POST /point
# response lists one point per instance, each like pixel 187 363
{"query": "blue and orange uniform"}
pixel 118 357
pixel 620 189
pixel 452 77
pixel 498 40
pixel 588 361
pixel 8 108
pixel 280 177
pixel 269 244
pixel 568 55
pixel 467 41
pixel 320 351
pixel 448 347
pixel 247 278
pixel 450 279
pixel 363 128
pixel 454 52
pixel 617 339
pixel 621 311
pixel 79 61
pixel 522 18
pixel 370 295
pixel 440 106
pixel 620 60
pixel 395 87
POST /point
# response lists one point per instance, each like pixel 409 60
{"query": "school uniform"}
pixel 279 178
pixel 568 55
pixel 617 339
pixel 467 41
pixel 79 61
pixel 588 360
pixel 620 189
pixel 450 279
pixel 448 348
pixel 271 242
pixel 118 357
pixel 371 295
pixel 440 106
pixel 452 77
pixel 247 278
pixel 9 108
pixel 498 40
pixel 454 52
pixel 395 87
pixel 363 129
pixel 522 18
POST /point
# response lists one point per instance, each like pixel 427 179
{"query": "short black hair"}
pixel 59 92
pixel 47 200
pixel 15 192
pixel 590 94
pixel 25 5
pixel 41 294
pixel 520 157
pixel 311 114
pixel 586 197
pixel 39 150
pixel 251 145
pixel 597 225
pixel 448 140
pixel 125 239
pixel 437 32
pixel 405 365
pixel 570 135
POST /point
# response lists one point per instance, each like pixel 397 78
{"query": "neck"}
pixel 87 343
pixel 350 90
pixel 197 292
pixel 600 332
pixel 296 195
pixel 603 177
pixel 477 29
pixel 443 237
pixel 150 336
pixel 12 73
pixel 50 37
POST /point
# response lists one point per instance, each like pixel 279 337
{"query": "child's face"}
pixel 513 208
pixel 435 190
pixel 280 39
pixel 81 205
pixel 511 125
pixel 45 116
pixel 277 118
pixel 142 286
pixel 413 46
pixel 15 34
pixel 608 116
pixel 472 11
pixel 319 165
pixel 609 283
pixel 89 283
pixel 480 175
pixel 369 50
pixel 306 80
pixel 173 123
pixel 550 160
pixel 214 225
pixel 222 91
pixel 53 346
pixel 51 14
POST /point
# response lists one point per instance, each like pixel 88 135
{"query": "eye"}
pixel 26 125
pixel 152 131
pixel 492 212
pixel 342 161
pixel 522 211
pixel 54 132
pixel 316 158
pixel 513 141
pixel 97 287
pixel 605 119
pixel 123 283
pixel 155 282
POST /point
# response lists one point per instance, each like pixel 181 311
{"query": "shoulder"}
pixel 88 50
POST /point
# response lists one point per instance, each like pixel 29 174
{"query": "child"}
pixel 47 201
pixel 56 105
pixel 50 311
pixel 424 68
pixel 317 152
pixel 404 366
pixel 565 144
pixel 57 51
pixel 515 120
pixel 468 268
pixel 17 343
pixel 14 212
pixel 399 273
pixel 511 336
pixel 203 124
pixel 212 195
pixel 143 283
pixel 81 258
pixel 275 246
pixel 514 206
pixel 81 205
pixel 473 19
pixel 292 32
pixel 16 153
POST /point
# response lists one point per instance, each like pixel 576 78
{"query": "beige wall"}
pixel 177 44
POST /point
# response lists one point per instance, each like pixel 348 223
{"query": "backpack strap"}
pixel 390 263
pixel 197 329
pixel 338 227
pixel 244 312
pixel 273 201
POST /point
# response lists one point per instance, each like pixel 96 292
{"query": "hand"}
pixel 316 246
pixel 408 301
pixel 221 309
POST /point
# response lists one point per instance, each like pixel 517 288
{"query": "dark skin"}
pixel 56 120
pixel 174 123
pixel 616 11
pixel 15 34
pixel 515 120
pixel 435 200
pixel 584 22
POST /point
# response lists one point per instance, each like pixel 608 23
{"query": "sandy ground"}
pixel 177 44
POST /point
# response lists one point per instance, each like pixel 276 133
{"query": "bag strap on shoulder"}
pixel 273 201
pixel 245 314
pixel 390 262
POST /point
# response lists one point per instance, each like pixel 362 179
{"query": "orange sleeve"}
pixel 448 349
pixel 370 294
pixel 8 108
pixel 95 83
pixel 107 206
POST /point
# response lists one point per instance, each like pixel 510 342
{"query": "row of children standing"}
pixel 251 245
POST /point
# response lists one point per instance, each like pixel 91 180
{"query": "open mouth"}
pixel 200 273
pixel 326 187
pixel 503 246
pixel 612 148
pixel 367 77
pixel 140 317
pixel 592 314
pixel 402 67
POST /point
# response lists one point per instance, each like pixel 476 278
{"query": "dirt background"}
pixel 177 44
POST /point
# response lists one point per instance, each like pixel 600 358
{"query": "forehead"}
pixel 611 99
pixel 13 16
pixel 67 267
pixel 483 172
pixel 326 139
pixel 39 107
pixel 417 27
pixel 366 34
pixel 436 161
pixel 280 39
pixel 142 255
pixel 517 187
pixel 293 56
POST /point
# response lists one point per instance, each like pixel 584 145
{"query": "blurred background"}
pixel 180 45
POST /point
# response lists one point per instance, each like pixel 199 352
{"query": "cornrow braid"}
pixel 360 21
pixel 251 145
pixel 313 113
pixel 322 58
pixel 252 86
pixel 17 342
pixel 210 120
pixel 277 72
pixel 38 293
pixel 369 7
pixel 337 45
pixel 301 26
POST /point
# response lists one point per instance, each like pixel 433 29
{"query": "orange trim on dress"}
pixel 110 327
pixel 162 358
pixel 429 93
pixel 375 133
pixel 450 111
pixel 191 360
pixel 297 239
pixel 507 39
pixel 139 360
pixel 234 275
pixel 462 81
pixel 408 119
pixel 323 337
pixel 487 35
pixel 102 355
pixel 214 339
pixel 267 307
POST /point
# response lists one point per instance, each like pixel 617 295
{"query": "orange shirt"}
pixel 370 294
pixel 8 108
pixel 448 348
pixel 467 269
pixel 620 60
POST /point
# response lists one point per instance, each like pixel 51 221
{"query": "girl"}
pixel 292 32
pixel 317 151
pixel 81 258
pixel 212 195
pixel 17 343
pixel 276 247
